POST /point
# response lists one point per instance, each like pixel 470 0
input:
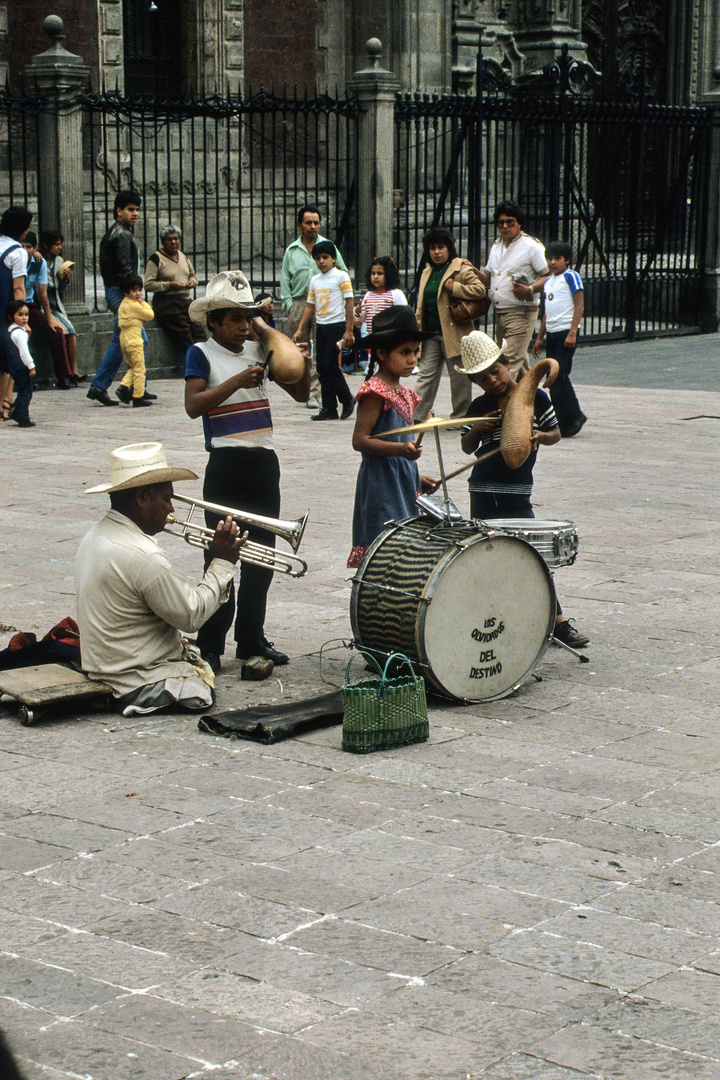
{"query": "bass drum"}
pixel 474 608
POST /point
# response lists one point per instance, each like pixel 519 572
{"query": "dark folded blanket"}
pixel 271 723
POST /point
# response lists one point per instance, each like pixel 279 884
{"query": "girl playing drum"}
pixel 388 482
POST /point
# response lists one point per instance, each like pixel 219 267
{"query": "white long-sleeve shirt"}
pixel 132 606
pixel 19 337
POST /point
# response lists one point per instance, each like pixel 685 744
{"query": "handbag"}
pixel 465 312
pixel 382 713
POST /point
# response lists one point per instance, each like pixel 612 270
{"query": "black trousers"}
pixel 562 393
pixel 242 479
pixel 332 381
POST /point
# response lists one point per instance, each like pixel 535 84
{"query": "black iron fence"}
pixel 625 182
pixel 230 172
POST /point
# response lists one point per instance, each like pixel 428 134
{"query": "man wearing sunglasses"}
pixel 514 277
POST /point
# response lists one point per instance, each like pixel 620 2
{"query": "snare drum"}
pixel 475 609
pixel 557 541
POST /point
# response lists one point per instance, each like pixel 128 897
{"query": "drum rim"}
pixel 559 524
pixel 425 598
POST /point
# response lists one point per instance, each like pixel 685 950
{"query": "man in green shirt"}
pixel 297 269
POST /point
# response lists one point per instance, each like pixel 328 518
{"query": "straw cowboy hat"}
pixel 226 290
pixel 478 352
pixel 138 465
pixel 393 325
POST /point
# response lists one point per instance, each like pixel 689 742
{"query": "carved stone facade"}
pixel 431 45
pixel 110 44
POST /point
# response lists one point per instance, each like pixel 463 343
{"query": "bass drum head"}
pixel 489 618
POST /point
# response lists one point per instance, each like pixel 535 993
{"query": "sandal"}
pixel 6 410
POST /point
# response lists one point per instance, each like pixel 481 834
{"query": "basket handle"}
pixel 393 656
pixel 367 656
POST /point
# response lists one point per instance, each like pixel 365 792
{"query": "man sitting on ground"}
pixel 132 607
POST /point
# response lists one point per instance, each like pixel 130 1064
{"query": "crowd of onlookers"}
pixel 317 299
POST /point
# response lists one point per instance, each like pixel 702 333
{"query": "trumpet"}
pixel 251 552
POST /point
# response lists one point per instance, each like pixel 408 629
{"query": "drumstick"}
pixel 464 468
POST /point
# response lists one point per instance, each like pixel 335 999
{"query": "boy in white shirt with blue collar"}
pixel 330 300
pixel 564 306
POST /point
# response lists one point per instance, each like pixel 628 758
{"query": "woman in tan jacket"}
pixel 446 277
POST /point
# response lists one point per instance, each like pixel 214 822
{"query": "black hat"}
pixel 393 325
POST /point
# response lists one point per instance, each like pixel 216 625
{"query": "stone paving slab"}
pixel 530 895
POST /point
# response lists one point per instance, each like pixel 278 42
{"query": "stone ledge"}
pixel 164 358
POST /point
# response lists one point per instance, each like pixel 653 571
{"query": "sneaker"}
pixel 566 632
pixel 325 415
pixel 124 393
pixel 141 403
pixel 348 410
pixel 312 403
pixel 95 393
pixel 264 648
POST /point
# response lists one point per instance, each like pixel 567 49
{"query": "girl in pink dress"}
pixel 388 481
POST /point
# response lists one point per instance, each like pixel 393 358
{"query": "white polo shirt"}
pixel 524 257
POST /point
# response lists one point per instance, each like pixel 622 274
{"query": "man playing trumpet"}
pixel 131 605
pixel 225 385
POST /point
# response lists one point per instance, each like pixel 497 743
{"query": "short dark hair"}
pixel 392 274
pixel 132 282
pixel 439 235
pixel 12 309
pixel 309 209
pixel 559 249
pixel 217 315
pixel 124 198
pixel 15 220
pixel 50 237
pixel 30 238
pixel 510 209
pixel 324 247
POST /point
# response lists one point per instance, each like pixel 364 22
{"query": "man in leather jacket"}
pixel 118 260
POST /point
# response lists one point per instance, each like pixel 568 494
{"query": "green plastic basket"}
pixel 382 713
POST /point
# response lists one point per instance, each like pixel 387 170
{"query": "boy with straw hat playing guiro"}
pixel 496 490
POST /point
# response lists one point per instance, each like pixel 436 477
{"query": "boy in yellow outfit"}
pixel 132 313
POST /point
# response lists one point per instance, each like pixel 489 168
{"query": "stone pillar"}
pixel 59 76
pixel 375 89
pixel 705 90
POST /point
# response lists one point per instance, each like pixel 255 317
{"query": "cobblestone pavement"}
pixel 530 895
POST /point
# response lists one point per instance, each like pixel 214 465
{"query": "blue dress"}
pixel 387 487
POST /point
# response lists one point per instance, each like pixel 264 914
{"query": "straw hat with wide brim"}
pixel 478 352
pixel 393 325
pixel 138 465
pixel 226 290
